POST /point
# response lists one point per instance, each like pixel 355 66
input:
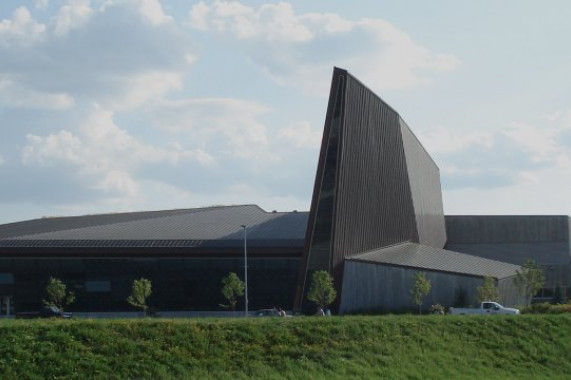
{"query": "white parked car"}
pixel 487 307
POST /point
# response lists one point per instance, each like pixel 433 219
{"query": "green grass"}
pixel 395 347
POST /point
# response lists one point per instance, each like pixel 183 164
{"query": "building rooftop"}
pixel 189 227
pixel 416 256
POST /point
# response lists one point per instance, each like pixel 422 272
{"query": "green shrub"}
pixel 536 308
pixel 547 308
pixel 560 309
pixel 437 309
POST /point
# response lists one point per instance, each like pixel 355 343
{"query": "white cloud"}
pixel 42 4
pixel 300 49
pixel 199 15
pixel 301 135
pixel 148 86
pixel 22 29
pixel 150 10
pixel 120 55
pixel 563 117
pixel 46 151
pixel 74 14
pixel 18 95
pixel 104 155
pixel 540 196
pixel 272 22
pixel 442 140
pixel 230 126
pixel 540 143
pixel 519 153
pixel 153 11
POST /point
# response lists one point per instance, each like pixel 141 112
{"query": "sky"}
pixel 130 105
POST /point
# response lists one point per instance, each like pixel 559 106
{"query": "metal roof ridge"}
pixel 433 248
pixel 381 248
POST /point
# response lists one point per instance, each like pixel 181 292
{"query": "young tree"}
pixel 232 288
pixel 140 291
pixel 488 291
pixel 321 290
pixel 57 295
pixel 529 280
pixel 420 288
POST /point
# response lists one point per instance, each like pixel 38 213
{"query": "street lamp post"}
pixel 245 269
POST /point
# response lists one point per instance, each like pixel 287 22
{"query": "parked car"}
pixel 271 313
pixel 485 308
pixel 44 312
pixel 267 313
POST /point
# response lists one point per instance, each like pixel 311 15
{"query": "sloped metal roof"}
pixel 181 228
pixel 428 258
pixel 51 224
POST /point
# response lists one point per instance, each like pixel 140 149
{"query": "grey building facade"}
pixel 515 239
pixel 382 278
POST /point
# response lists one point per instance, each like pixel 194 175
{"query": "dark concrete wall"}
pixel 513 239
pixel 506 229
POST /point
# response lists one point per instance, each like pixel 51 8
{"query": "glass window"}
pixel 98 286
pixel 6 278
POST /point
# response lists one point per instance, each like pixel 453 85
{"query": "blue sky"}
pixel 128 105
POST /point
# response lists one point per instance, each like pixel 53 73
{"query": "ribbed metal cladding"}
pixel 364 196
pixel 424 179
pixel 507 228
pixel 373 201
pixel 512 238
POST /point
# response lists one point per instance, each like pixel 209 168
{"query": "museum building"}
pixel 376 219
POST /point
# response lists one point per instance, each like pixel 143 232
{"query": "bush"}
pixel 547 308
pixel 560 309
pixel 536 308
pixel 437 309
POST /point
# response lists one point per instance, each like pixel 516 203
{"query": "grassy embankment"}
pixel 527 346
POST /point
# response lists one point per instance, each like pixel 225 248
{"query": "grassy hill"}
pixel 412 347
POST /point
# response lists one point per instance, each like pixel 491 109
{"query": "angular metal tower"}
pixel 375 184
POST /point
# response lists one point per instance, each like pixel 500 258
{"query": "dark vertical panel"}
pixel 374 203
pixel 424 178
pixel 319 206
